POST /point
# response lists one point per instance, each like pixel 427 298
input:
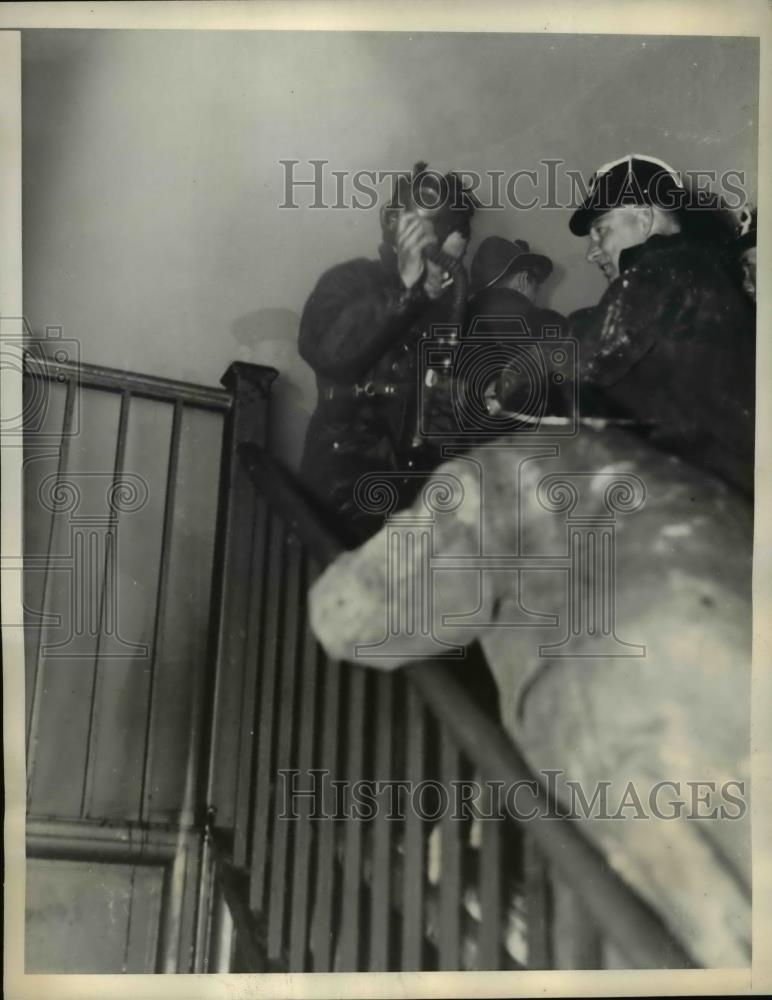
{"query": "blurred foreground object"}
pixel 610 587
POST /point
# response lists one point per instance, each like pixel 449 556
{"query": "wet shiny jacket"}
pixel 671 344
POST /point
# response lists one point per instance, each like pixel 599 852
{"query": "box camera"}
pixel 45 364
pixel 500 378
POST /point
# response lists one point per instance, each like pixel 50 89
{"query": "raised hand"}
pixel 413 235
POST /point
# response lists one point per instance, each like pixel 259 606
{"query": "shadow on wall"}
pixel 269 337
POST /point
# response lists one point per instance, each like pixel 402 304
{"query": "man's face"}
pixel 613 232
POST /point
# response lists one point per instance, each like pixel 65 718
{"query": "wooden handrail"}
pixel 625 918
pixel 39 365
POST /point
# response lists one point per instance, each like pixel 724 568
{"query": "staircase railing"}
pixel 368 892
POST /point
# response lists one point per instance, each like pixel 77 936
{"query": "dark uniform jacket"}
pixel 672 345
pixel 360 333
pixel 491 308
pixel 507 320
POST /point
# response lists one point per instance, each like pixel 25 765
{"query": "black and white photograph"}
pixel 385 458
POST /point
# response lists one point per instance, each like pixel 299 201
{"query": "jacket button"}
pixel 394 367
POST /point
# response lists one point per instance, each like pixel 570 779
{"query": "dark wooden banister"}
pixel 625 918
pixel 39 365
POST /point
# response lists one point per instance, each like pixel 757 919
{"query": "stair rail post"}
pixel 247 421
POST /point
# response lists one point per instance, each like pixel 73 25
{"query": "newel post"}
pixel 247 421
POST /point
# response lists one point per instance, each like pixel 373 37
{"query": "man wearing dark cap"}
pixel 359 333
pixel 670 347
pixel 505 281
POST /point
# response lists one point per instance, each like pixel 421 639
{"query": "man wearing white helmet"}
pixel 671 343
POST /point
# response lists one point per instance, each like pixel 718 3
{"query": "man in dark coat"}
pixel 360 332
pixel 671 344
pixel 505 281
